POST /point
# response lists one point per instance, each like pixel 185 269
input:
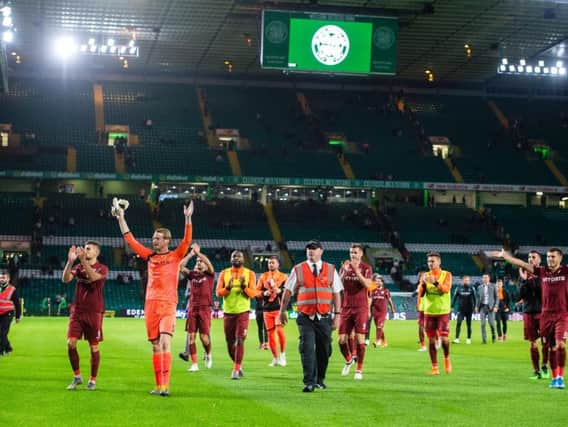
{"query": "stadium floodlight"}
pixel 110 42
pixel 123 50
pixel 8 36
pixel 93 48
pixel 559 64
pixel 545 70
pixel 539 193
pixel 553 70
pixel 529 69
pixel 7 21
pixel 562 71
pixel 504 61
pixel 6 11
pixel 65 47
pixel 537 69
pixel 512 68
pixel 113 49
pixel 134 51
pixel 131 43
pixel 523 62
pixel 541 63
pixel 104 48
pixel 91 42
pixel 520 68
pixel 83 48
pixel 502 67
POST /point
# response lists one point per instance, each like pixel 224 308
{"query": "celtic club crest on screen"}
pixel 330 45
pixel 276 32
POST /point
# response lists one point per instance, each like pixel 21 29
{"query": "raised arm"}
pixel 197 250
pixel 511 259
pixel 137 247
pixel 67 275
pixel 187 234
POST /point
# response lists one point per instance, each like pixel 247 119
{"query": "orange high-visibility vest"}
pixel 6 303
pixel 314 293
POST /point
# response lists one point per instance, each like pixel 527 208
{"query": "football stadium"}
pixel 303 212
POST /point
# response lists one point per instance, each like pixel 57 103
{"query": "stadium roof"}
pixel 194 37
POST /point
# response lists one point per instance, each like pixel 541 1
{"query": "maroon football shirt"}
pixel 554 289
pixel 200 289
pixel 89 296
pixel 354 292
pixel 379 297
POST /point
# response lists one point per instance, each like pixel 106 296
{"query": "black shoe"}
pixel 308 389
pixel 184 356
pixel 321 386
pixel 493 340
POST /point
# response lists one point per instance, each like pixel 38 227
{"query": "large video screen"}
pixel 329 43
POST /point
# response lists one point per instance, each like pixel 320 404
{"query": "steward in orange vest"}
pixel 9 307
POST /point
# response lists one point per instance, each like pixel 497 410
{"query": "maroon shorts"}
pixel 379 317
pixel 353 320
pixel 553 327
pixel 199 319
pixel 236 325
pixel 531 326
pixel 86 325
pixel 439 323
pixel 421 321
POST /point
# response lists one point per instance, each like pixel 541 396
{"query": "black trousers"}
pixel 5 321
pixel 315 347
pixel 262 334
pixel 501 318
pixel 467 316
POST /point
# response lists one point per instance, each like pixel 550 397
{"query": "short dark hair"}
pixel 534 252
pixel 94 243
pixel 358 245
pixel 558 250
pixel 237 251
pixel 276 257
pixel 436 254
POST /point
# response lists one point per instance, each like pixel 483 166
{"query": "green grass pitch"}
pixel 489 385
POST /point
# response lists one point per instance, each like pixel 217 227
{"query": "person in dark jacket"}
pixel 464 297
pixel 530 296
pixel 503 309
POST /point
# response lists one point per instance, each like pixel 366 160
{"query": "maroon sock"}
pixel 534 358
pixel 193 352
pixel 433 352
pixel 231 349
pixel 360 356
pixel 95 362
pixel 421 335
pixel 74 359
pixel 345 351
pixel 239 353
pixel 553 360
pixel 207 347
pixel 383 335
pixel 353 346
pixel 446 348
pixel 561 356
pixel 545 354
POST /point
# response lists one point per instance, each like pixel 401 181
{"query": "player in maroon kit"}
pixel 530 294
pixel 86 317
pixel 554 316
pixel 380 297
pixel 200 286
pixel 356 278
